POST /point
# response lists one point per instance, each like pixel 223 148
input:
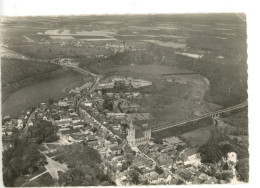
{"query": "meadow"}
pixel 199 136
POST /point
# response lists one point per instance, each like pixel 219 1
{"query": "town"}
pixel 124 100
pixel 120 131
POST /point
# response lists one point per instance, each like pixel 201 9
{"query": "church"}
pixel 138 134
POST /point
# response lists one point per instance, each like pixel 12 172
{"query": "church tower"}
pixel 131 134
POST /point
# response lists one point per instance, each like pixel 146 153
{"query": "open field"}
pixel 199 136
pixel 148 69
pixel 52 51
pixel 32 95
pixel 168 109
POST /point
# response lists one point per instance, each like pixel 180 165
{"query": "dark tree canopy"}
pixel 242 168
pixel 43 131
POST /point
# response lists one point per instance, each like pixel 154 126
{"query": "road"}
pixel 25 129
pixel 93 87
pixel 82 71
pixel 174 124
pixel 53 167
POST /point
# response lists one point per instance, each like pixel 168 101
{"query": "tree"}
pixel 43 131
pixel 134 177
pixel 75 177
pixel 50 101
pixel 210 152
pixel 227 148
pixel 158 141
pixel 108 104
pixel 242 168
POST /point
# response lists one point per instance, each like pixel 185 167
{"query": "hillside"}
pixel 16 70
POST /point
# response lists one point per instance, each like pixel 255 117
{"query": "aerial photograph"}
pixel 120 100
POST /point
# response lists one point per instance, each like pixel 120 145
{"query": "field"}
pixel 169 109
pixel 148 69
pixel 27 97
pixel 168 101
pixel 199 136
pixel 52 51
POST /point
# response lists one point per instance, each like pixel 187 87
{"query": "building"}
pixel 138 135
pixel 63 103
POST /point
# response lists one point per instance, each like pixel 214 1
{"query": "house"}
pixel 88 104
pixel 118 115
pixel 92 143
pixel 194 160
pixel 64 128
pixel 63 103
pixel 74 117
pixel 78 125
pixel 7 131
pixel 65 118
pixel 164 160
pixel 116 127
pixel 63 123
pixel 149 175
pixel 117 158
pixel 20 123
pixel 30 123
pixel 187 152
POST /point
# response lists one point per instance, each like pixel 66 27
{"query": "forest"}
pixel 17 70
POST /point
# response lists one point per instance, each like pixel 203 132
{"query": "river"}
pixel 30 96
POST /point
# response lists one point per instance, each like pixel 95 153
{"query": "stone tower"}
pixel 131 134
